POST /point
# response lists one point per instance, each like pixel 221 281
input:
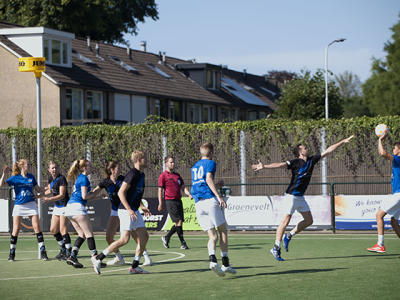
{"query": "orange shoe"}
pixel 377 248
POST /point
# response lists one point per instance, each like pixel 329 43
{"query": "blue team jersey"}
pixel 112 190
pixel 23 187
pixel 200 188
pixel 76 196
pixel 396 174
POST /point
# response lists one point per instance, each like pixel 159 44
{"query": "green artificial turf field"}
pixel 317 266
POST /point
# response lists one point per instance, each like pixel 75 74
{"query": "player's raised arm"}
pixel 333 147
pixel 260 166
pixel 382 151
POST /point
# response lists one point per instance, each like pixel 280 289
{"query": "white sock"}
pixel 145 254
pixel 117 254
pixel 41 244
pixel 61 243
pixel 224 254
pixel 68 246
pixel 278 244
pixel 211 252
pixel 106 252
pixel 380 240
pixel 210 246
pixel 137 258
pixel 292 233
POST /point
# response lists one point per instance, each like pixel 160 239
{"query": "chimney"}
pixel 128 52
pixel 88 41
pixel 97 50
pixel 244 73
pixel 143 44
pixel 194 60
pixel 163 56
pixel 159 58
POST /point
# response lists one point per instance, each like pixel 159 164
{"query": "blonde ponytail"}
pixel 76 168
pixel 16 170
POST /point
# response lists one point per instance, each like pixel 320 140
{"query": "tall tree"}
pixel 304 98
pixel 105 20
pixel 382 89
pixel 350 89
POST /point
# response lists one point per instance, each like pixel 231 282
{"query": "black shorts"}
pixel 175 209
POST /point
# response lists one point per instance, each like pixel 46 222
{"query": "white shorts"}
pixel 58 211
pixel 392 206
pixel 209 214
pixel 25 210
pixel 114 213
pixel 75 209
pixel 292 203
pixel 125 222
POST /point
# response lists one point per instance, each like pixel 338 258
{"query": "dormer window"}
pixel 56 52
pixel 213 79
pixel 83 58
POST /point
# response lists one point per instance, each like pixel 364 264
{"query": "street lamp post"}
pixel 323 164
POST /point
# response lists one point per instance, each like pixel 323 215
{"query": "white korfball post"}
pixel 36 65
pixel 242 163
pixel 164 149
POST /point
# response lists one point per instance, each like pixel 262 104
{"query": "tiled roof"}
pixel 107 75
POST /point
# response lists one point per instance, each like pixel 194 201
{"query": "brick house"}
pixel 92 82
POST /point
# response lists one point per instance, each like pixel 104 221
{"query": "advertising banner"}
pixel 265 212
pixel 358 212
pixel 99 213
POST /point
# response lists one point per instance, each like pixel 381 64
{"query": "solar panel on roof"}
pixel 159 71
pixel 267 90
pixel 122 64
pixel 82 58
pixel 241 92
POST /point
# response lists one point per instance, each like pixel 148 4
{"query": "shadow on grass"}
pixel 238 276
pixel 348 256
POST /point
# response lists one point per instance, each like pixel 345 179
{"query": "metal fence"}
pixel 236 191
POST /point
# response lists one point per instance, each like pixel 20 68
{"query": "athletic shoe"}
pixel 165 241
pixel 184 246
pixel 137 270
pixel 67 253
pixel 103 265
pixel 96 264
pixel 147 261
pixel 377 248
pixel 116 261
pixel 74 262
pixel 286 241
pixel 217 269
pixel 228 269
pixel 276 254
pixel 43 255
pixel 62 255
pixel 11 257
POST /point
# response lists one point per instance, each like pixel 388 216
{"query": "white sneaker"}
pixel 217 269
pixel 137 270
pixel 147 261
pixel 96 265
pixel 116 261
pixel 228 270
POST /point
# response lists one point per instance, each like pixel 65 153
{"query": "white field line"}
pixel 180 255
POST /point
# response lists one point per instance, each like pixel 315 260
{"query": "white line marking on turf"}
pixel 91 273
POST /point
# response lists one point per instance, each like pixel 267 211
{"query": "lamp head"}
pixel 340 40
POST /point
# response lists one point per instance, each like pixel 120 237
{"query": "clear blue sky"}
pixel 263 35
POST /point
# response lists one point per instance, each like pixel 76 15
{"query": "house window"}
pixel 56 52
pixel 174 111
pixel 208 114
pixel 262 114
pixel 74 104
pixel 225 114
pixel 213 79
pixel 160 108
pixel 237 114
pixel 46 49
pixel 94 105
pixel 252 115
pixel 195 113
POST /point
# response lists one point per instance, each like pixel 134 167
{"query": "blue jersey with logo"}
pixel 396 174
pixel 200 188
pixel 76 196
pixel 112 190
pixel 23 187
